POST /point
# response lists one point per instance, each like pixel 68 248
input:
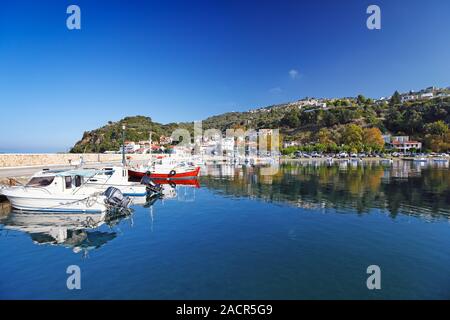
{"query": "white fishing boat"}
pixel 386 161
pixel 63 191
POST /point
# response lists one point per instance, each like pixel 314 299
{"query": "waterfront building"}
pixel 163 140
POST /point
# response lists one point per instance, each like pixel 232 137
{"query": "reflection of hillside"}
pixel 401 188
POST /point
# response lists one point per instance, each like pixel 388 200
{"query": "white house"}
pixel 403 144
pixel 427 95
pixel 291 144
pixel 409 98
pixel 131 147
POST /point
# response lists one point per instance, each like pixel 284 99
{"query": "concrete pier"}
pixel 55 159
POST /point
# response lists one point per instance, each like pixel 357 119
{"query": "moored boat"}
pixel 117 177
pixel 63 191
pixel 166 169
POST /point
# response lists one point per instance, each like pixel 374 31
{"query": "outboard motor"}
pixel 116 199
pixel 151 186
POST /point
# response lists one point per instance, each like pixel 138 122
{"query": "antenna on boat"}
pixel 124 163
pixel 150 139
pixel 151 147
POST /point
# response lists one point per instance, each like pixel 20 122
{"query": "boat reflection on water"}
pixel 180 190
pixel 76 231
pixel 84 232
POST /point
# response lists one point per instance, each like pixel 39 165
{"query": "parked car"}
pixel 362 155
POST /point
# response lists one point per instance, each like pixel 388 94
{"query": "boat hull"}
pixel 178 175
pixel 78 204
pixel 127 190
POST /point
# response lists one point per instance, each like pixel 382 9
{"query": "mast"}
pixel 123 146
pixel 124 162
pixel 150 138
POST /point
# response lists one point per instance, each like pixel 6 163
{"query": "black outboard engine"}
pixel 116 199
pixel 151 186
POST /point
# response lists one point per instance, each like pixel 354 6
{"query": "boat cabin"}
pixel 59 180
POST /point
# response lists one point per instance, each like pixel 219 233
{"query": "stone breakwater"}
pixel 31 160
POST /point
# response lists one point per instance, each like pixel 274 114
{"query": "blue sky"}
pixel 186 60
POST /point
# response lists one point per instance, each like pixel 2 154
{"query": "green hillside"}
pixel 424 120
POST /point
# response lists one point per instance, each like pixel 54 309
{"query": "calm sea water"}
pixel 307 232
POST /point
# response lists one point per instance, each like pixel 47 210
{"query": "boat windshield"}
pixel 40 181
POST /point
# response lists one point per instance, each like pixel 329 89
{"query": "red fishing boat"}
pixel 166 169
pixel 171 174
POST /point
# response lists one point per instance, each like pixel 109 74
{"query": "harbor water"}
pixel 308 231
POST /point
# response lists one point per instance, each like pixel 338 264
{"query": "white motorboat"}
pixel 117 177
pixel 63 191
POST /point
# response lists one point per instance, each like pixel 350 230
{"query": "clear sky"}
pixel 186 60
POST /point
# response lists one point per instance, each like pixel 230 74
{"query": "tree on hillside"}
pixel 395 99
pixel 329 119
pixel 291 119
pixel 352 136
pixel 394 120
pixel 361 99
pixel 324 136
pixel 413 121
pixel 437 143
pixel 307 118
pixel 373 139
pixel 439 128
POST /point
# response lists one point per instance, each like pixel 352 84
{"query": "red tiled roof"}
pixel 406 142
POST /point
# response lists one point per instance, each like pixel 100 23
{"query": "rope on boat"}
pixel 89 222
pixel 90 201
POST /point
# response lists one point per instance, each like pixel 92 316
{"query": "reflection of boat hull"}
pixel 178 175
pixel 440 160
pixel 181 182
pixel 34 222
pixel 386 161
pixel 67 230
